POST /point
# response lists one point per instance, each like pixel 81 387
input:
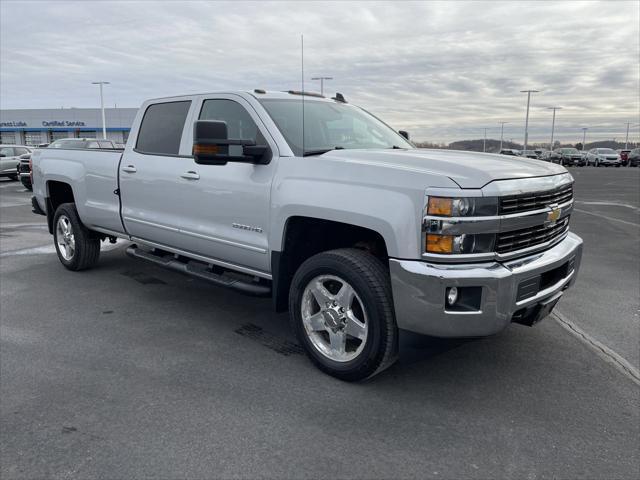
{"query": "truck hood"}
pixel 467 169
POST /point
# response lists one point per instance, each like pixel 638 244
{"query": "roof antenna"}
pixel 302 71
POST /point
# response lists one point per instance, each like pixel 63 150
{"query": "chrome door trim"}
pixel 198 235
pixel 213 261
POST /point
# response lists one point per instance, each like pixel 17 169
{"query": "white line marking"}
pixel 601 349
pixel 13 204
pixel 606 217
pixel 22 225
pixel 612 204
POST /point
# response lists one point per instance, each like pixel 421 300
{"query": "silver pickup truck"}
pixel 326 209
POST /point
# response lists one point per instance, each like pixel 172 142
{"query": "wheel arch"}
pixel 304 236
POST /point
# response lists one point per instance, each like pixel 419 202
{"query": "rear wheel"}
pixel 341 311
pixel 76 247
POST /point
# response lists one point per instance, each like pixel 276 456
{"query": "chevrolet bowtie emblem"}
pixel 554 215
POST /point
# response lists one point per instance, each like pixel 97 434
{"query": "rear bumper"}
pixel 420 288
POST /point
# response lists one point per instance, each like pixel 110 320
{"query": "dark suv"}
pixel 569 156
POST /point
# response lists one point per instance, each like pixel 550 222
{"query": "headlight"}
pixel 452 244
pixel 462 207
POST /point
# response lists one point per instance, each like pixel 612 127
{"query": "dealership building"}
pixel 37 126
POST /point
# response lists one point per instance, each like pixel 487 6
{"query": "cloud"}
pixel 444 71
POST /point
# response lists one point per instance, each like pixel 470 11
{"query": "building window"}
pixel 8 138
pixel 88 134
pixel 58 135
pixel 32 138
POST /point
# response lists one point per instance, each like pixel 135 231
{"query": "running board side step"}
pixel 199 270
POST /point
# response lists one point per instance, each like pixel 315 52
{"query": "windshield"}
pixel 605 150
pixel 328 126
pixel 569 150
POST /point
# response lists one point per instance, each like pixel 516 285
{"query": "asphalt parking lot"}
pixel 129 371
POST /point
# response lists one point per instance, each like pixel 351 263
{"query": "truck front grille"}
pixel 528 237
pixel 534 201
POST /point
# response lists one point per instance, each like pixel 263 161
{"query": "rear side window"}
pixel 161 128
pixel 105 144
pixel 7 151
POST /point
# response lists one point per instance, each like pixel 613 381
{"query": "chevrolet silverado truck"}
pixel 330 212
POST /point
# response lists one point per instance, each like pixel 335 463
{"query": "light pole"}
pixel 626 140
pixel 526 122
pixel 501 133
pixel 553 124
pixel 322 79
pixel 584 136
pixel 484 142
pixel 104 125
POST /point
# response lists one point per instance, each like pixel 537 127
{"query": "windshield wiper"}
pixel 310 153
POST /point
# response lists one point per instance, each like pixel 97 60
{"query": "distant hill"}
pixel 493 146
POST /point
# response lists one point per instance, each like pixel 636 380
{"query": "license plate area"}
pixel 531 315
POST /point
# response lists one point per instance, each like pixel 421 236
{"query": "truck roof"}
pixel 259 94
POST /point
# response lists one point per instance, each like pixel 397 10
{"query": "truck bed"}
pixel 93 174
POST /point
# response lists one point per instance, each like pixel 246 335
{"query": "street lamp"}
pixel 322 79
pixel 553 124
pixel 484 142
pixel 526 122
pixel 501 133
pixel 104 125
pixel 584 136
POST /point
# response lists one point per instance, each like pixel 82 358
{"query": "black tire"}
pixel 26 184
pixel 13 177
pixel 370 280
pixel 86 247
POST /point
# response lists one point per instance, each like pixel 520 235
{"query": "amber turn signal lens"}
pixel 439 243
pixel 440 206
pixel 199 149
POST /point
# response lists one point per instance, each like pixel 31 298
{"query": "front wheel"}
pixel 76 248
pixel 341 310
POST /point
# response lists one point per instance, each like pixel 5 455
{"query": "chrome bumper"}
pixel 419 290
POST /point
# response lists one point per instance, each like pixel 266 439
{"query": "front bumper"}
pixel 419 290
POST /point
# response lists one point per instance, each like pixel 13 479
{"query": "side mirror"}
pixel 2 155
pixel 212 146
pixel 404 133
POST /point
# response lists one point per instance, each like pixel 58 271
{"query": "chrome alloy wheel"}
pixel 334 318
pixel 65 238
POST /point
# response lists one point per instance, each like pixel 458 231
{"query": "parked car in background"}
pixel 603 156
pixel 73 143
pixel 529 154
pixel 510 151
pixel 569 156
pixel 550 156
pixel 624 156
pixel 9 159
pixel 634 157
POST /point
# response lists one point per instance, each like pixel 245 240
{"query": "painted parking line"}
pixel 607 217
pixel 610 204
pixel 600 348
pixel 48 249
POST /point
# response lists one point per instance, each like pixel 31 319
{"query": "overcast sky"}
pixel 443 71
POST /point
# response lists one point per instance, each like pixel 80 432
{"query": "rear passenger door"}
pixel 150 169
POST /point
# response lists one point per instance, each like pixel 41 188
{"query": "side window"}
pixel 161 128
pixel 7 151
pixel 240 125
pixel 105 144
pixel 21 151
pixel 92 145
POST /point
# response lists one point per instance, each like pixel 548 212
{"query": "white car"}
pixel 603 156
pixel 10 158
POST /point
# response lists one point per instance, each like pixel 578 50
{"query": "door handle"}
pixel 190 175
pixel 129 169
